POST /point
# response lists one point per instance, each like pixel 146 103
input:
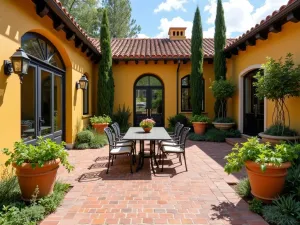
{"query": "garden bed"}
pixel 215 135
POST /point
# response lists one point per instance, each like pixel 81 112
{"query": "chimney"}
pixel 177 33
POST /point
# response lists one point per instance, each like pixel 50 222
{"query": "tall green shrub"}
pixel 105 80
pixel 197 64
pixel 219 58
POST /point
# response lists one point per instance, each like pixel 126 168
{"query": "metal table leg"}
pixel 141 156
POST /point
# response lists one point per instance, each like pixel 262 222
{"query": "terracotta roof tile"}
pixel 262 22
pixel 135 48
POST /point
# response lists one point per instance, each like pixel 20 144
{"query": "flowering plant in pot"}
pixel 147 124
pixel 199 123
pixel 99 123
pixel 278 81
pixel 222 91
pixel 266 165
pixel 36 165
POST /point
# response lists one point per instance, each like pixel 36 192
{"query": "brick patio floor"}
pixel 200 196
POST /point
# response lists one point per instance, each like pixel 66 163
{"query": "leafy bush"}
pixel 256 206
pixel 9 188
pixel 82 146
pixel 261 153
pixel 99 141
pixel 85 136
pixel 200 118
pixel 243 188
pixel 292 182
pixel 224 120
pixel 178 118
pixel 45 150
pixel 279 130
pixel 17 213
pixel 122 117
pixel 100 119
pixel 215 135
pixel 284 211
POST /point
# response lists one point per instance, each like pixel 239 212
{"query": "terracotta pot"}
pixel 269 184
pixel 147 129
pixel 277 139
pixel 41 177
pixel 99 127
pixel 223 126
pixel 199 127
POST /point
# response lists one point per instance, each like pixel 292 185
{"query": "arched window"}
pixel 85 99
pixel 40 48
pixel 186 105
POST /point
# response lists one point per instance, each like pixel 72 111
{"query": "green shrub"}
pixel 197 137
pixel 278 130
pixel 9 188
pixel 37 155
pixel 215 135
pixel 82 146
pixel 99 141
pixel 243 188
pixel 85 136
pixel 256 206
pixel 284 211
pixel 292 182
pixel 200 118
pixel 178 118
pixel 122 117
pixel 100 119
pixel 233 133
pixel 224 120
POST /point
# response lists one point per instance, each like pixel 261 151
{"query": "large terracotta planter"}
pixel 147 129
pixel 277 139
pixel 269 184
pixel 223 126
pixel 99 127
pixel 41 177
pixel 199 127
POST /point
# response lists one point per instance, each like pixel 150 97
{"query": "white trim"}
pixel 241 97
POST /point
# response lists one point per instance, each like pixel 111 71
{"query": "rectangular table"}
pixel 138 134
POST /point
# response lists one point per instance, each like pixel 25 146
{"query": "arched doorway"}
pixel 149 99
pixel 253 106
pixel 42 91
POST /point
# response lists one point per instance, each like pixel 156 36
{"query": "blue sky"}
pixel 156 16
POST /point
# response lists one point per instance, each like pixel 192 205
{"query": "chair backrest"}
pixel 183 136
pixel 178 131
pixel 110 137
pixel 118 129
pixel 176 125
pixel 114 127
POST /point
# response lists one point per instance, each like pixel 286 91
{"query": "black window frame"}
pixel 188 86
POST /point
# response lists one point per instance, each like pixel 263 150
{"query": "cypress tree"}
pixel 197 64
pixel 220 42
pixel 105 79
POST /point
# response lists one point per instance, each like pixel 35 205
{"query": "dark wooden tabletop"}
pixel 137 133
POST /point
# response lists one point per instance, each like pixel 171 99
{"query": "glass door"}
pixel 141 106
pixel 156 106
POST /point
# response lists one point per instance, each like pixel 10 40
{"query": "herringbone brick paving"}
pixel 200 196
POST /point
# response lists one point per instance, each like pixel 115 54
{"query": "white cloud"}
pixel 240 15
pixel 142 36
pixel 169 5
pixel 165 24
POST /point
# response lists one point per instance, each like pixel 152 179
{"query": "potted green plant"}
pixel 147 125
pixel 222 91
pixel 199 123
pixel 99 123
pixel 280 80
pixel 266 165
pixel 36 165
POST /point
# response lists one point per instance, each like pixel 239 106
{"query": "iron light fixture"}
pixel 19 64
pixel 82 83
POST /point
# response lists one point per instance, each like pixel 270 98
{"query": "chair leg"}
pixel 185 162
pixel 179 155
pixel 131 158
pixel 108 164
pixel 162 165
pixel 112 161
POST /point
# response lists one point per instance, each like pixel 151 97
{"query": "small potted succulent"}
pixel 266 165
pixel 147 125
pixel 36 165
pixel 222 91
pixel 280 80
pixel 99 123
pixel 199 123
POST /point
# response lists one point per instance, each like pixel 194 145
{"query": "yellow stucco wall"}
pixel 125 76
pixel 276 46
pixel 16 18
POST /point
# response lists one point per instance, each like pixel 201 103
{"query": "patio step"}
pixel 233 141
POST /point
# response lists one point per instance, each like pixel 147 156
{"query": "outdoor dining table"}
pixel 138 134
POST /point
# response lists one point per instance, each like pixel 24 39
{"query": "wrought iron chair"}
pixel 178 148
pixel 117 150
pixel 173 133
pixel 175 137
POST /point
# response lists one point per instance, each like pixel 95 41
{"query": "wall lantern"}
pixel 19 64
pixel 82 83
